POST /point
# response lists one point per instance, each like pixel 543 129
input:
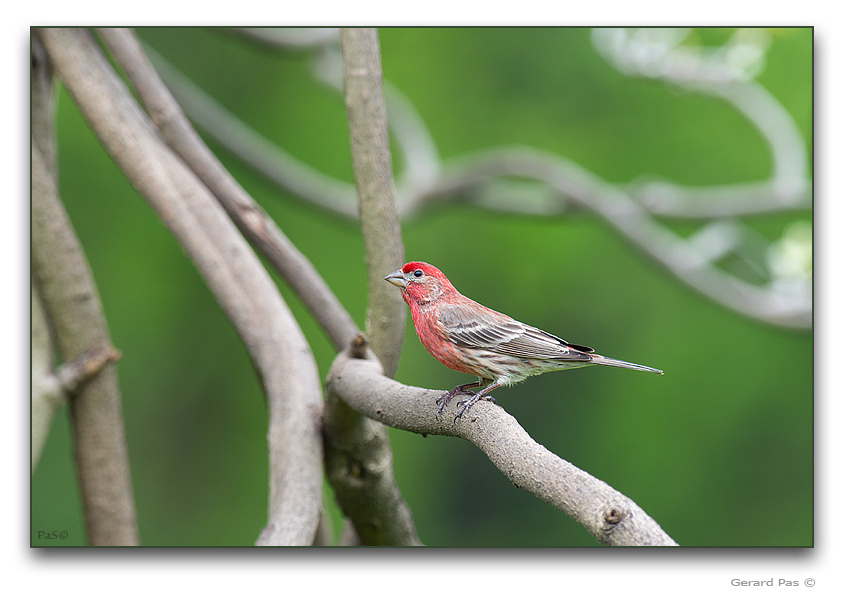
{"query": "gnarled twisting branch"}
pixel 608 515
pixel 727 72
pixel 250 218
pixel 241 285
pixel 683 257
pixel 359 465
pixel 776 299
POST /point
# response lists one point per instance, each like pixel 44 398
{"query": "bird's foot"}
pixel 464 404
pixel 473 399
pixel 447 397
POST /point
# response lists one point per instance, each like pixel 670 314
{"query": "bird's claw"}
pixel 464 404
pixel 447 397
pixel 468 403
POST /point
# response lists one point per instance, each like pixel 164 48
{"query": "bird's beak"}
pixel 396 278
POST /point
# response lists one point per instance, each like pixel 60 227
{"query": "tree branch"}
pixel 250 218
pixel 608 515
pixel 788 189
pixel 47 393
pixel 73 309
pixel 419 154
pixel 368 139
pixel 562 184
pixel 271 161
pixel 727 72
pixel 631 219
pixel 359 465
pixel 357 454
pixel 243 288
pixel 51 388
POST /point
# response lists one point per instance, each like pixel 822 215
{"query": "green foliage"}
pixel 718 451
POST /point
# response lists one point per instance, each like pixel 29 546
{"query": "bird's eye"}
pixel 418 273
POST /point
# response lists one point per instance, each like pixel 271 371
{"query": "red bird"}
pixel 466 336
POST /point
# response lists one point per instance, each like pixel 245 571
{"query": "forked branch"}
pixel 232 271
pixel 612 518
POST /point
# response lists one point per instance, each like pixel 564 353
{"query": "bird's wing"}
pixel 482 328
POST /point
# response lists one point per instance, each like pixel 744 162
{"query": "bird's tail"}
pixel 601 360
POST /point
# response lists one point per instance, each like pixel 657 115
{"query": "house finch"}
pixel 466 336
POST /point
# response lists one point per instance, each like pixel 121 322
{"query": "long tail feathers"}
pixel 601 360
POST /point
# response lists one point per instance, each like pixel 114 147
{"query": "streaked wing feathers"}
pixel 482 328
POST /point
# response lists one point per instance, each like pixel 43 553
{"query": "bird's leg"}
pixel 443 400
pixel 480 395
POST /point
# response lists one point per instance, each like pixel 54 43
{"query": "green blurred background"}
pixel 719 451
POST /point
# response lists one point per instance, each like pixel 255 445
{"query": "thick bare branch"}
pixel 369 143
pixel 608 515
pixel 52 387
pixel 359 465
pixel 250 218
pixel 241 285
pixel 43 107
pixel 73 308
pixel 358 457
pixel 47 394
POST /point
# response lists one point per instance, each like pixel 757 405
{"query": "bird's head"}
pixel 420 282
